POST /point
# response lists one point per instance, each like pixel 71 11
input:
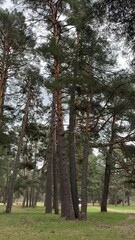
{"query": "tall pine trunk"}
pixel 106 183
pixel 17 159
pixel 72 161
pixel 66 199
pixel 108 168
pixel 72 119
pixel 84 198
pixel 33 188
pixel 50 157
pixel 55 177
pixel 3 73
pixel 86 151
pixel 2 92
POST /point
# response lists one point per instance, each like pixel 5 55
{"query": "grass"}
pixel 123 208
pixel 33 224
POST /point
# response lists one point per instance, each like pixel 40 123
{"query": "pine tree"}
pixel 30 80
pixel 51 11
pixel 14 40
pixel 120 101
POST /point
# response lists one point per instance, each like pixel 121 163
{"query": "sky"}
pixel 8 4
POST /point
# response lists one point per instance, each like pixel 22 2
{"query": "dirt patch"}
pixel 126 228
pixel 126 225
pixel 105 227
pixel 131 216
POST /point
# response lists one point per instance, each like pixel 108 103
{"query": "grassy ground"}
pixel 33 224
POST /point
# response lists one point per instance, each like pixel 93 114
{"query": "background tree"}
pixel 122 12
pixel 30 80
pixel 14 40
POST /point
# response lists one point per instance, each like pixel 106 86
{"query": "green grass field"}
pixel 34 224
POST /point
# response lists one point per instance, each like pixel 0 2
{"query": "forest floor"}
pixel 33 224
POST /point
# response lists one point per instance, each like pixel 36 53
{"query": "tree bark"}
pixel 50 157
pixel 66 199
pixel 55 177
pixel 72 161
pixel 106 183
pixel 72 119
pixel 3 72
pixel 86 151
pixel 84 196
pixel 108 167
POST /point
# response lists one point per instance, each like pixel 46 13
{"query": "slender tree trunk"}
pixel 36 197
pixel 106 183
pixel 116 198
pixel 86 151
pixel 33 197
pixel 84 197
pixel 55 177
pixel 49 180
pixel 34 177
pixel 72 119
pixel 50 156
pixel 5 191
pixel 108 169
pixel 128 200
pixel 17 159
pixel 2 93
pixel 72 161
pixel 3 72
pixel 123 197
pixel 3 80
pixel 24 198
pixel 27 197
pixel 30 197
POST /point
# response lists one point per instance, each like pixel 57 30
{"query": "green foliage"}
pixel 123 13
pixel 16 35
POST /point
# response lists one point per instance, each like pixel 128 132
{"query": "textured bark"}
pixel 50 156
pixel 72 119
pixel 84 178
pixel 106 183
pixel 128 200
pixel 24 198
pixel 27 198
pixel 33 190
pixel 72 161
pixel 3 71
pixel 66 199
pixel 49 181
pixel 17 159
pixel 55 177
pixel 2 93
pixel 36 197
pixel 86 151
pixel 108 167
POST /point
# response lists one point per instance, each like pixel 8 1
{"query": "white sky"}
pixel 8 4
